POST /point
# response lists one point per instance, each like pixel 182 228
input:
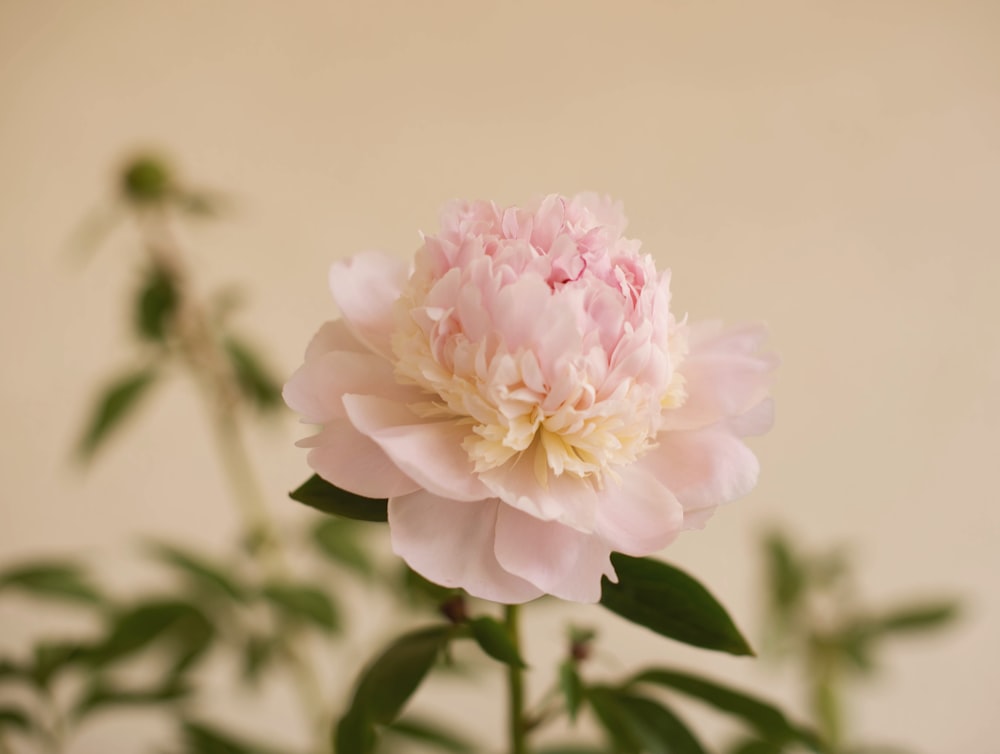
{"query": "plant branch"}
pixel 515 686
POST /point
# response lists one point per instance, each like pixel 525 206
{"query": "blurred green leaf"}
pixel 427 732
pixel 60 580
pixel 494 639
pixel 203 739
pixel 182 626
pixel 200 570
pixel 420 589
pixel 639 724
pixel 258 653
pixel 785 574
pixel 101 695
pixel 386 685
pixel 929 616
pixel 256 381
pixel 303 602
pixel 572 749
pixel 572 688
pixel 52 657
pixel 668 601
pixel 13 718
pixel 201 203
pixel 768 720
pixel 318 493
pixel 338 540
pixel 117 401
pixel 10 670
pixel 156 304
pixel 756 747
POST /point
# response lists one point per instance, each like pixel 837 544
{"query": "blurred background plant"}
pixel 275 612
pixel 817 625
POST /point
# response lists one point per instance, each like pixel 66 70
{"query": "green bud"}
pixel 146 180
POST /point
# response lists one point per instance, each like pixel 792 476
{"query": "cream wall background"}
pixel 831 168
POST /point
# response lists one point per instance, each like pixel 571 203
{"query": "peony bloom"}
pixel 526 400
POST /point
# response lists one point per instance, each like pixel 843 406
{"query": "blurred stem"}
pixel 515 687
pixel 202 350
pixel 825 695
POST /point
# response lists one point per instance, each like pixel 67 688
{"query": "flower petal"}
pixel 333 336
pixel 315 390
pixel 345 457
pixel 451 543
pixel 724 376
pixel 429 452
pixel 703 468
pixel 640 515
pixel 365 288
pixel 565 499
pixel 559 560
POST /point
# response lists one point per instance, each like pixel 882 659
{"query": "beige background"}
pixel 831 168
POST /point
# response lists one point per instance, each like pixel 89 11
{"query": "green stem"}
pixel 201 349
pixel 515 687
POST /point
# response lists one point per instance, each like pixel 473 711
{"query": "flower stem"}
pixel 201 349
pixel 515 687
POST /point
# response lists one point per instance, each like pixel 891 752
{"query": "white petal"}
pixel 565 499
pixel 365 287
pixel 559 560
pixel 429 452
pixel 451 543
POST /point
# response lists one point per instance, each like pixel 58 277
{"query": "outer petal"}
pixel 365 287
pixel 345 457
pixel 639 516
pixel 430 452
pixel 316 388
pixel 703 468
pixel 451 543
pixel 559 560
pixel 333 336
pixel 724 376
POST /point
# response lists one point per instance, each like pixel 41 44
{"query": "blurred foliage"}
pixel 817 623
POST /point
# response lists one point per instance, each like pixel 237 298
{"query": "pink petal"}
pixel 365 288
pixel 565 499
pixel 451 543
pixel 345 457
pixel 333 336
pixel 640 515
pixel 724 376
pixel 315 390
pixel 430 452
pixel 557 559
pixel 703 468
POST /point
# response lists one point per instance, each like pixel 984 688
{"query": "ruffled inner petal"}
pixel 365 287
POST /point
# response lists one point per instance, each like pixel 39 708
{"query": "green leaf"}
pixel 386 685
pixel 426 732
pixel 50 658
pixel 258 653
pixel 156 304
pixel 182 626
pixel 929 616
pixel 55 580
pixel 765 718
pixel 203 739
pixel 117 401
pixel 12 718
pixel 785 574
pixel 318 493
pixel 572 688
pixel 255 380
pixel 494 639
pixel 302 602
pixel 338 540
pixel 666 600
pixel 639 724
pixel 102 695
pixel 420 590
pixel 200 570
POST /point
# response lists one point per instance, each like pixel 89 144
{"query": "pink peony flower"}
pixel 526 400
